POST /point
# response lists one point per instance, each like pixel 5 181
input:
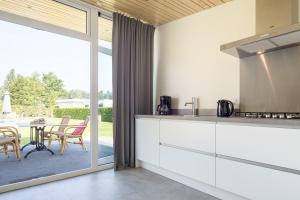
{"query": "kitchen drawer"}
pixel 190 164
pixel 275 146
pixel 256 182
pixel 147 140
pixel 188 134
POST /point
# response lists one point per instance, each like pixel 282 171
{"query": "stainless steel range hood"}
pixel 285 34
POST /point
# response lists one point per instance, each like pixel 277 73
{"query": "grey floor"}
pixel 133 184
pixel 40 164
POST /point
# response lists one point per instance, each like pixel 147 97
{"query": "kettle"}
pixel 225 108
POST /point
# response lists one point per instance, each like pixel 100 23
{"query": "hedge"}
pixel 106 114
pixel 82 113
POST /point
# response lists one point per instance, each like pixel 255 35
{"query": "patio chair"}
pixel 48 135
pixel 9 136
pixel 73 132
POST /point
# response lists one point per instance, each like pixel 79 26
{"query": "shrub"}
pixel 82 113
pixel 74 113
pixel 31 111
pixel 106 114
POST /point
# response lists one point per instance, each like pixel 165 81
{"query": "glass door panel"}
pixel 45 78
pixel 105 133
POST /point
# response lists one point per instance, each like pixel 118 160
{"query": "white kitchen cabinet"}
pixel 189 164
pixel 275 146
pixel 147 140
pixel 256 182
pixel 193 135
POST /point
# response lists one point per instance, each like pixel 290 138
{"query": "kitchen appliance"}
pixel 277 27
pixel 269 115
pixel 225 108
pixel 164 108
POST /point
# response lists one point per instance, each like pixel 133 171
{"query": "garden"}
pixel 34 96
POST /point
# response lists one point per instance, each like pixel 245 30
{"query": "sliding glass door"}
pixel 46 76
pixel 105 136
pixel 47 90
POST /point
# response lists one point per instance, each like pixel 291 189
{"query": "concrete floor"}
pixel 133 184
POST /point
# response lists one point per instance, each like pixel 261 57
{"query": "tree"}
pixel 101 95
pixel 108 95
pixel 10 78
pixel 26 91
pixel 53 89
pixel 105 95
pixel 1 92
pixel 80 94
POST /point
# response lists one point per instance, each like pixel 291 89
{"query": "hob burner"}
pixel 269 115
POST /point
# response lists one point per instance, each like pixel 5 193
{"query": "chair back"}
pixel 80 129
pixel 10 136
pixel 86 121
pixel 64 123
pixel 9 132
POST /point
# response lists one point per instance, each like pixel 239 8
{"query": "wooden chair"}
pixel 48 135
pixel 9 136
pixel 73 132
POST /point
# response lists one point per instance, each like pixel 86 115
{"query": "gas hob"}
pixel 269 115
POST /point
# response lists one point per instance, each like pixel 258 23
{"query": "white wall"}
pixel 188 61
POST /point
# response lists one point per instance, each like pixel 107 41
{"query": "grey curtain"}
pixel 132 55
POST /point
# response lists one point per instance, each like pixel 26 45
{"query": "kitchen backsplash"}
pixel 271 82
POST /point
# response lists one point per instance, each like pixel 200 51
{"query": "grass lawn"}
pixel 105 130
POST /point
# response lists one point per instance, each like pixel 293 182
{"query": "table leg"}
pixel 39 141
pixel 27 154
pixel 50 151
pixel 32 142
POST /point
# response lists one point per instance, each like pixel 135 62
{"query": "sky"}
pixel 29 50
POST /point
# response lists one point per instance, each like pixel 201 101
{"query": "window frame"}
pixel 44 26
pixel 91 36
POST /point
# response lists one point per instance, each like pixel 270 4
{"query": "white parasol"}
pixel 6 108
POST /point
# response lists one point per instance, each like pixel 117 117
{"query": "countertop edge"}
pixel 272 123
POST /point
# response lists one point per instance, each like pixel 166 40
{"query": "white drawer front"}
pixel 255 182
pixel 188 134
pixel 147 140
pixel 275 146
pixel 193 165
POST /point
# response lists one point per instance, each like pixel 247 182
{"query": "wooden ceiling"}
pixel 56 13
pixel 105 29
pixel 156 12
pixel 48 11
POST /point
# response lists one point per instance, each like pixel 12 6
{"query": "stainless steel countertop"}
pixel 276 123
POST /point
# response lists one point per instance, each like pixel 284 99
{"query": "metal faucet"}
pixel 194 105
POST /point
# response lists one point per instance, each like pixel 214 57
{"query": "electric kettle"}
pixel 225 108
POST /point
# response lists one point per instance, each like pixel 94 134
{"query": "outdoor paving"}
pixel 39 164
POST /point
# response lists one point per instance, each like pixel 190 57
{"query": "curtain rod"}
pixel 108 17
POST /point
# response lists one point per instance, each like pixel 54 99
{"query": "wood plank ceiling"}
pixel 105 29
pixel 156 12
pixel 47 11
pixel 55 13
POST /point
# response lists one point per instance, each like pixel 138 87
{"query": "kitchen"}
pixel 204 100
pixel 253 153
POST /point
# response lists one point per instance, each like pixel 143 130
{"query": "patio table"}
pixel 37 132
pixel 37 139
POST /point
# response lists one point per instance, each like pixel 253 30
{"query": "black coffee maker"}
pixel 164 108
